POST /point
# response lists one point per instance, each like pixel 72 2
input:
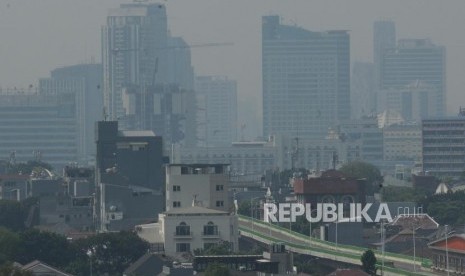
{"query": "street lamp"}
pixel 251 209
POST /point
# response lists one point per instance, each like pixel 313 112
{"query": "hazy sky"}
pixel 37 36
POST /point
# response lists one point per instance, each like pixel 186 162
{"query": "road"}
pixel 295 242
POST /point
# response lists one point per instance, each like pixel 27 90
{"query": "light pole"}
pixel 310 223
pixel 251 210
pixel 447 251
pixel 90 252
pixel 382 246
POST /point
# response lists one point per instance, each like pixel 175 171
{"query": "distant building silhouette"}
pixel 306 79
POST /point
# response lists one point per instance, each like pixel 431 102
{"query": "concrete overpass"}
pixel 295 242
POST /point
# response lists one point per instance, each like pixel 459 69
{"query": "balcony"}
pixel 183 235
pixel 211 234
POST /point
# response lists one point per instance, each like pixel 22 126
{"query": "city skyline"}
pixel 77 40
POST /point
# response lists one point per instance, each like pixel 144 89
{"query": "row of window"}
pixel 177 188
pixel 218 203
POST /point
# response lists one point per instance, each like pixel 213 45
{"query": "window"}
pixel 176 204
pixel 183 247
pixel 176 188
pixel 219 203
pixel 183 229
pixel 210 229
pixel 219 187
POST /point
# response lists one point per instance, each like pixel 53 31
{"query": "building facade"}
pixel 443 146
pixel 384 37
pixel 38 127
pixel 363 90
pixel 306 79
pixel 83 81
pixel 416 60
pixel 402 142
pixel 199 184
pixel 216 98
pixel 187 229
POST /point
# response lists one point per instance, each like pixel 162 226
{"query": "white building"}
pixel 187 229
pixel 203 184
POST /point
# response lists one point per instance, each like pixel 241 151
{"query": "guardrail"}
pixel 349 249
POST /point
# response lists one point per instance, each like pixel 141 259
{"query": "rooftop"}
pixel 136 133
pixel 194 210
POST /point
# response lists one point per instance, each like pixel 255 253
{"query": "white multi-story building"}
pixel 216 98
pixel 202 184
pixel 194 227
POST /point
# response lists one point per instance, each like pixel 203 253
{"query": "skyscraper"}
pixel 416 60
pixel 139 57
pixel 217 103
pixel 132 43
pixel 306 79
pixel 363 90
pixel 384 37
pixel 84 82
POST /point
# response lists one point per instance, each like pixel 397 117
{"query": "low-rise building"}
pixel 449 254
pixel 205 184
pixel 187 229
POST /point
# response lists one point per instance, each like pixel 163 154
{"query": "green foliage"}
pixel 11 215
pixel 221 248
pixel 446 208
pixel 112 253
pixel 217 269
pixel 360 169
pixel 244 208
pixel 8 269
pixel 9 242
pixel 47 247
pixel 369 262
pixel 396 194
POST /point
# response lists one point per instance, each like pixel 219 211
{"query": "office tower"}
pixel 384 37
pixel 139 56
pixel 402 142
pixel 413 102
pixel 83 81
pixel 443 147
pixel 217 110
pixel 38 127
pixel 306 79
pixel 363 90
pixel 416 60
pixel 132 44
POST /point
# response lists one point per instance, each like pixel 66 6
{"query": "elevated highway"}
pixel 295 242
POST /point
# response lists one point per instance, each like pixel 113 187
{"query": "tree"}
pixel 28 167
pixel 9 243
pixel 244 208
pixel 217 269
pixel 8 269
pixel 111 253
pixel 11 215
pixel 360 169
pixel 47 247
pixel 221 248
pixel 369 262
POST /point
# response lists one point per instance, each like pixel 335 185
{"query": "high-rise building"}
pixel 83 81
pixel 363 90
pixel 132 42
pixel 217 110
pixel 38 127
pixel 306 79
pixel 138 55
pixel 416 60
pixel 384 37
